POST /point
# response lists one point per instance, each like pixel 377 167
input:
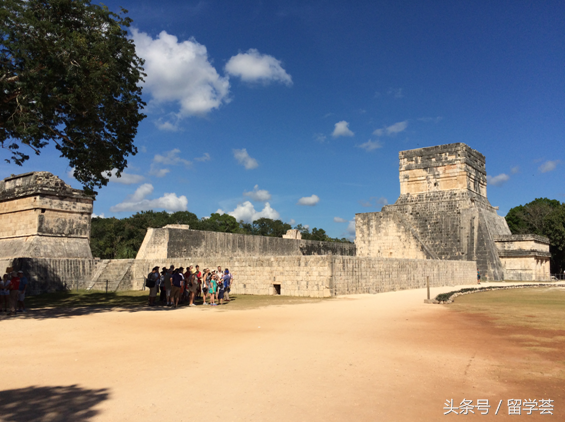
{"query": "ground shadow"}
pixel 67 304
pixel 39 404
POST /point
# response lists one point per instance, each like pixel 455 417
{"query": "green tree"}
pixel 269 227
pixel 220 223
pixel 545 217
pixel 69 75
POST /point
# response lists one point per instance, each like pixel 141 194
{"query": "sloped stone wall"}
pixel 171 243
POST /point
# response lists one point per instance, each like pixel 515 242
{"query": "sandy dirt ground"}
pixel 385 357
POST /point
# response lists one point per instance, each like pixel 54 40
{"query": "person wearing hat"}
pixel 153 284
pixel 22 291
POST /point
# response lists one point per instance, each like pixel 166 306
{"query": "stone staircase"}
pixel 112 271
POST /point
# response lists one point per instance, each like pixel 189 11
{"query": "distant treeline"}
pixel 113 238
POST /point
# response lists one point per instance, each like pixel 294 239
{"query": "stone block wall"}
pixel 47 275
pixel 18 218
pixel 296 275
pixel 385 235
pixel 311 276
pixel 377 275
pixel 171 242
pixel 441 168
pixel 324 276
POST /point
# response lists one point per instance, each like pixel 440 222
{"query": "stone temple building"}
pixel 443 213
pixel 42 217
pixel 441 230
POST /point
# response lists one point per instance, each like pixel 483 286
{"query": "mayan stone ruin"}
pixel 441 229
pixel 42 217
pixel 443 213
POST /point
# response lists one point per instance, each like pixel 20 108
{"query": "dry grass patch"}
pixel 539 308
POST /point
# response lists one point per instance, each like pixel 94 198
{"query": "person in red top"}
pixel 14 292
pixel 199 277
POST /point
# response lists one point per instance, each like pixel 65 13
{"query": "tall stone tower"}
pixel 42 217
pixel 442 212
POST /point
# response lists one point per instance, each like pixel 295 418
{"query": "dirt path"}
pixel 385 357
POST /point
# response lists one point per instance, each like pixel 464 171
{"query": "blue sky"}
pixel 297 110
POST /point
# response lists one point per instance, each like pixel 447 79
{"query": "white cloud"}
pixel 247 212
pixel 351 229
pixel 292 222
pixel 97 215
pixel 167 126
pixel 548 166
pixel 320 137
pixel 370 145
pixel 171 158
pixel 382 201
pixel 126 178
pixel 340 220
pixel 138 201
pixel 259 195
pixel 180 72
pixel 431 119
pixel 392 129
pixel 498 180
pixel 515 170
pixel 309 200
pixel 395 92
pixel 244 159
pixel 253 66
pixel 204 158
pixel 143 148
pixel 157 172
pixel 397 127
pixel 167 158
pixel 342 129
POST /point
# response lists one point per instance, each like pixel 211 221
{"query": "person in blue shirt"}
pixel 227 279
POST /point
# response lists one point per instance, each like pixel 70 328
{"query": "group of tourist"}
pixel 13 287
pixel 179 285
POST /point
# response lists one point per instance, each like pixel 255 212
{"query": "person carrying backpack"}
pixel 177 280
pixel 151 282
pixel 227 277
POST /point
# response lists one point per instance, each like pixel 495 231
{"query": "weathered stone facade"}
pixel 322 275
pixel 178 241
pixel 442 213
pixel 524 257
pixel 42 217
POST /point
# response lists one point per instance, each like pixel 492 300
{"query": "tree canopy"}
pixel 69 75
pixel 113 238
pixel 545 217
